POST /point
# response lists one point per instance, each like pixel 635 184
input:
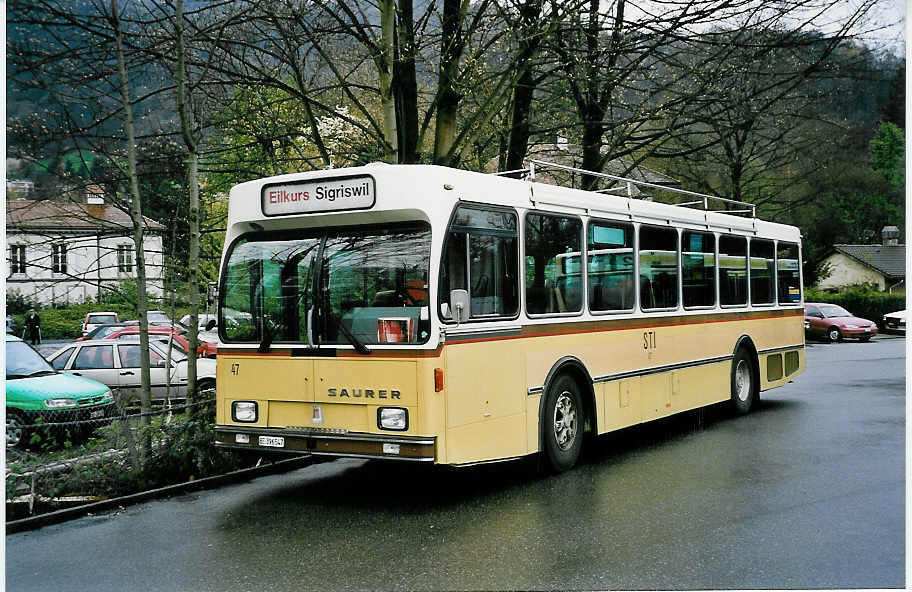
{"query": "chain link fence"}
pixel 58 458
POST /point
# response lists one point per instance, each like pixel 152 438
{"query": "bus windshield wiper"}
pixel 266 343
pixel 356 343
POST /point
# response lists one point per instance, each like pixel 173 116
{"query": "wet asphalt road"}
pixel 807 492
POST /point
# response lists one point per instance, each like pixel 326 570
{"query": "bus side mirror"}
pixel 459 303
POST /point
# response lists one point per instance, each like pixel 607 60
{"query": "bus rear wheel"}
pixel 745 387
pixel 563 424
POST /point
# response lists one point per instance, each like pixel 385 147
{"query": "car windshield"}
pixel 97 318
pixel 831 310
pixel 22 361
pixel 103 331
pixel 373 286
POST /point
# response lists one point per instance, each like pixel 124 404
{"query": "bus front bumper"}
pixel 326 443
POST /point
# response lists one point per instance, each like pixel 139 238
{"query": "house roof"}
pixel 889 260
pixel 29 214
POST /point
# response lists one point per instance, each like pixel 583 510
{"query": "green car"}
pixel 36 393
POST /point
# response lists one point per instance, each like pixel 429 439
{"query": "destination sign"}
pixel 323 195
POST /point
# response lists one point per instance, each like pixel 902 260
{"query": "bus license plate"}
pixel 272 441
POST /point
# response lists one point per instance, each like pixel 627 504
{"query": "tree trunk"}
pixel 406 85
pixel 384 61
pixel 447 96
pixel 136 216
pixel 186 120
pixel 523 92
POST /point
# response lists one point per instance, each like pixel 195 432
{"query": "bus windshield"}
pixel 373 287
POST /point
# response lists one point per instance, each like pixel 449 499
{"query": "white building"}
pixel 883 266
pixel 59 252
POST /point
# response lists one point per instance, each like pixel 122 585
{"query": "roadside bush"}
pixel 66 322
pixel 861 301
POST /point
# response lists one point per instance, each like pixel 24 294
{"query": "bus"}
pixel 430 314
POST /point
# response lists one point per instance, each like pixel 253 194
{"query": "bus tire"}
pixel 745 384
pixel 562 423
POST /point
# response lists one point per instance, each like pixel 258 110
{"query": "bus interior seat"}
pixel 555 298
pixel 647 297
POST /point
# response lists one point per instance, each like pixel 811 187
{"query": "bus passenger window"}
pixel 554 275
pixel 481 257
pixel 609 250
pixel 732 270
pixel 698 268
pixel 762 272
pixel 788 273
pixel 658 267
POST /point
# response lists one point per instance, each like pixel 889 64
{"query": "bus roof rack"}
pixel 704 201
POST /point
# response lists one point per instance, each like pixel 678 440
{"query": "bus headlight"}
pixel 244 411
pixel 392 418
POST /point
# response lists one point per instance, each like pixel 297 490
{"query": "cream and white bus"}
pixel 431 314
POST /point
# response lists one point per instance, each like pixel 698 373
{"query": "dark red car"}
pixel 205 350
pixel 833 323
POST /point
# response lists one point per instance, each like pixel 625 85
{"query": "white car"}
pixel 203 321
pixel 117 364
pixel 96 319
pixel 895 321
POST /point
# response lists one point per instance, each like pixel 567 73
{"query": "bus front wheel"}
pixel 563 423
pixel 745 387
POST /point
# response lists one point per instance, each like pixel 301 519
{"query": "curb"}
pixel 58 516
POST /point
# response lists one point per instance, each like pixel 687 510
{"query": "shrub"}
pixel 861 301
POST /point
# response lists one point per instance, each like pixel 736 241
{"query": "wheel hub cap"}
pixel 742 380
pixel 13 432
pixel 564 421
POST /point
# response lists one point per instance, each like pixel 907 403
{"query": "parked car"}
pixel 37 393
pixel 158 317
pixel 832 322
pixel 204 322
pixel 895 321
pixel 11 325
pixel 203 350
pixel 102 331
pixel 117 364
pixel 94 319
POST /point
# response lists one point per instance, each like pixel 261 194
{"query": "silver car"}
pixel 117 364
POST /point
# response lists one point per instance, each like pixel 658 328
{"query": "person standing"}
pixel 33 327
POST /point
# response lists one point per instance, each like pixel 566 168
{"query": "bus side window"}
pixel 788 273
pixel 762 272
pixel 554 279
pixel 609 251
pixel 698 268
pixel 481 257
pixel 732 270
pixel 658 267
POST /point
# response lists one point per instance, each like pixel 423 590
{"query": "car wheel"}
pixel 833 334
pixel 562 423
pixel 16 434
pixel 745 387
